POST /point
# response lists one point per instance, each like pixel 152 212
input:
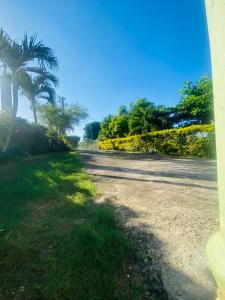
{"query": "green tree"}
pixel 122 110
pixel 163 117
pixel 91 130
pixel 142 116
pixel 105 132
pixel 21 58
pixel 60 119
pixel 39 87
pixel 119 126
pixel 196 103
pixel 73 140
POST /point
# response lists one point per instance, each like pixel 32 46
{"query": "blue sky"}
pixel 113 51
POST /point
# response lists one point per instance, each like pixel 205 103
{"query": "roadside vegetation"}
pixel 56 242
pixel 143 116
pixel 195 107
pixel 28 68
pixel 183 129
pixel 194 140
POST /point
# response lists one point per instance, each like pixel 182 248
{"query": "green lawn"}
pixel 55 241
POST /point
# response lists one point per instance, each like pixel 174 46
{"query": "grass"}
pixel 56 242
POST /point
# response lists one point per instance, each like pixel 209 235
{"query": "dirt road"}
pixel 174 200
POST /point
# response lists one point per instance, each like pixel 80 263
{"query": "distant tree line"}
pixel 194 107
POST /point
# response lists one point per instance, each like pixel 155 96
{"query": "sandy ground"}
pixel 175 201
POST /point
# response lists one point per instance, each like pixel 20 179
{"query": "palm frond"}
pixel 8 50
pixel 37 50
pixel 5 41
pixel 26 84
pixel 46 77
pixel 49 90
pixel 48 99
pixel 37 87
pixel 36 70
pixel 17 55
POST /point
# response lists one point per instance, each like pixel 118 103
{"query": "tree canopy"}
pixel 62 118
pixel 39 87
pixel 196 102
pixel 194 107
pixel 119 126
pixel 22 58
pixel 91 130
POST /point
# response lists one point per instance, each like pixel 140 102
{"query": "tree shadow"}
pixel 157 181
pixel 162 280
pixel 151 157
pixel 195 173
pixel 58 242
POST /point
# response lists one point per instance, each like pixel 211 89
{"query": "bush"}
pixel 29 139
pixel 195 140
pixel 73 140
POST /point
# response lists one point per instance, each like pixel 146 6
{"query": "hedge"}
pixel 194 140
pixel 28 139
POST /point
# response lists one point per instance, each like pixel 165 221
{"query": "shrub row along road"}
pixel 175 202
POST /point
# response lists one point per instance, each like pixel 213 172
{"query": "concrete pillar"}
pixel 6 93
pixel 215 10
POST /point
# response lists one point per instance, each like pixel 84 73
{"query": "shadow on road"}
pixel 157 275
pixel 151 267
pixel 157 181
pixel 195 172
pixel 149 156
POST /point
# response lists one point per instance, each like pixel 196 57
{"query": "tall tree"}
pixel 196 103
pixel 91 130
pixel 39 87
pixel 105 132
pixel 142 116
pixel 163 117
pixel 6 93
pixel 19 58
pixel 119 126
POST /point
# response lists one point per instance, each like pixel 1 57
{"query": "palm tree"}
pixel 19 58
pixel 39 87
pixel 6 93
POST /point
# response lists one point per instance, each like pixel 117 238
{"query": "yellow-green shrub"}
pixel 195 140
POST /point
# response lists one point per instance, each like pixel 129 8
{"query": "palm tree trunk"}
pixel 14 112
pixel 34 109
pixel 15 96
